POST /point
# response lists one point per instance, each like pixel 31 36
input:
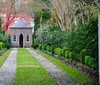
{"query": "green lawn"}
pixel 73 73
pixel 4 57
pixel 30 71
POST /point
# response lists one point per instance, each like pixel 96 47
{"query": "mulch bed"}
pixel 90 72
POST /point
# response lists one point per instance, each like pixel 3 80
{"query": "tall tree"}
pixel 9 9
pixel 68 12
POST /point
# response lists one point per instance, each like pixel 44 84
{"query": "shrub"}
pixel 89 61
pixel 52 49
pixel 35 46
pixel 71 55
pixel 8 46
pixel 93 63
pixel 82 55
pixel 48 48
pixel 63 50
pixel 2 45
pixel 77 57
pixel 43 47
pixel 57 51
pixel 40 46
pixel 67 54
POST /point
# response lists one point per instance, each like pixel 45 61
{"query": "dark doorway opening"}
pixel 21 40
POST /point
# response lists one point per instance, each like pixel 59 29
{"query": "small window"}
pixel 27 38
pixel 14 38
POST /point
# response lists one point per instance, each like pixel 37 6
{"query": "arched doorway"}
pixel 21 40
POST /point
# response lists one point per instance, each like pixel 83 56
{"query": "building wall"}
pixel 24 32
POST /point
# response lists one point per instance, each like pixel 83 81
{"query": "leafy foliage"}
pixel 3 35
pixel 71 55
pixel 64 50
pixel 51 35
pixel 43 47
pixel 35 46
pixel 40 46
pixel 52 49
pixel 2 45
pixel 85 37
pixel 57 51
pixel 48 48
pixel 67 54
pixel 82 55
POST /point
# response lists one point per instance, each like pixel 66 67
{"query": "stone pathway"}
pixel 7 71
pixel 58 75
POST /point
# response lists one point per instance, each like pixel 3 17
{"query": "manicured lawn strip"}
pixel 73 73
pixel 4 57
pixel 30 71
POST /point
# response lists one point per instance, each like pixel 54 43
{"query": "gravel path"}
pixel 7 71
pixel 58 75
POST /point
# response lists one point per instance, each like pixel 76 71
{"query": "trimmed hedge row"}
pixel 66 53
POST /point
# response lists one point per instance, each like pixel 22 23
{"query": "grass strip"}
pixel 30 71
pixel 72 72
pixel 4 57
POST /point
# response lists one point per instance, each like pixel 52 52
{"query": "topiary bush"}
pixel 89 61
pixel 48 48
pixel 63 51
pixel 2 45
pixel 93 63
pixel 67 54
pixel 77 57
pixel 35 46
pixel 71 55
pixel 40 46
pixel 44 47
pixel 8 46
pixel 82 55
pixel 57 51
pixel 52 49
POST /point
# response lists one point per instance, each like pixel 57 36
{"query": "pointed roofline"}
pixel 21 23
